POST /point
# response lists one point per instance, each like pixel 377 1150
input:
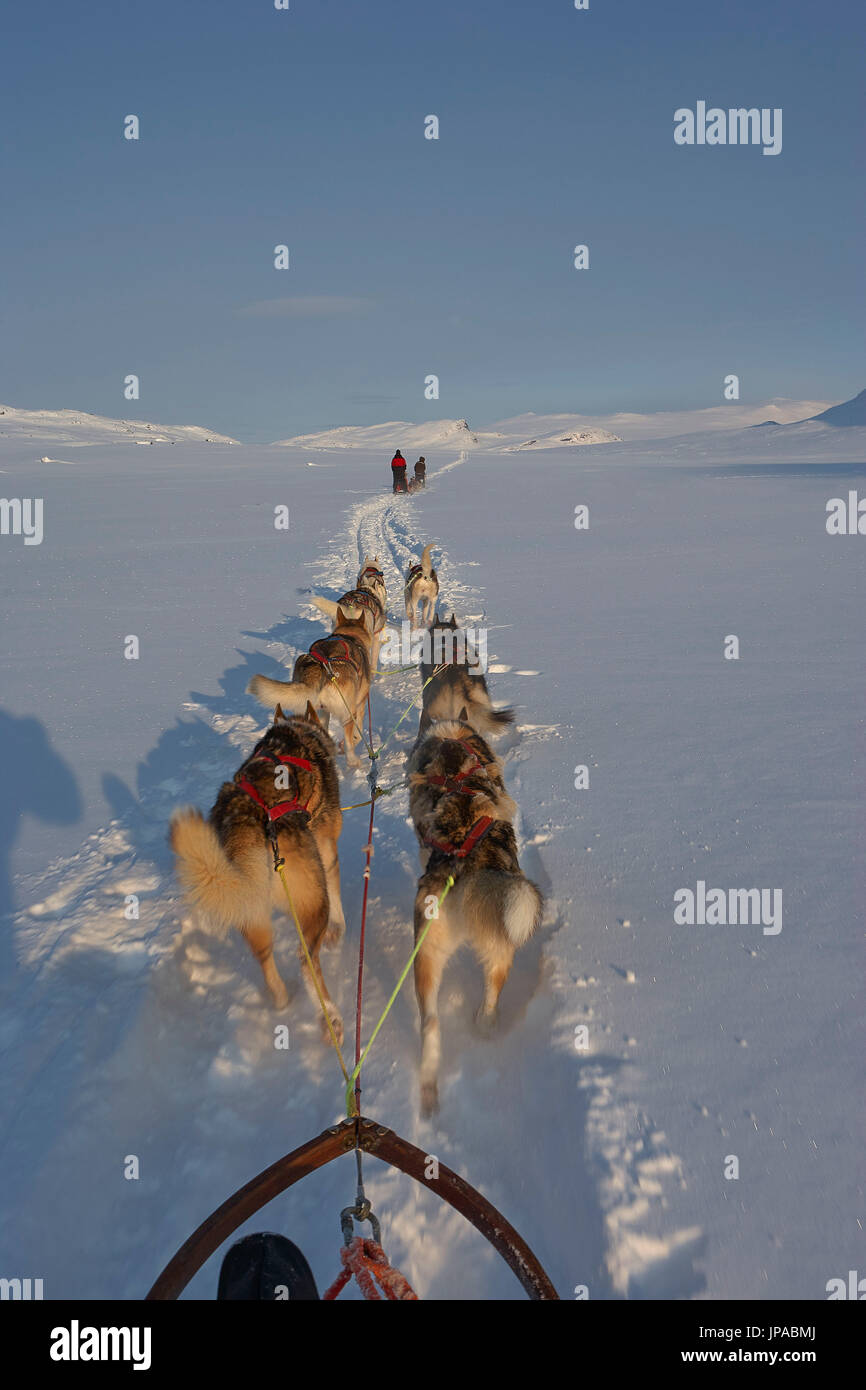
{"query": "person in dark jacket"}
pixel 398 472
pixel 421 472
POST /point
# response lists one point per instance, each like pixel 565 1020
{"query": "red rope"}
pixel 360 997
pixel 368 1262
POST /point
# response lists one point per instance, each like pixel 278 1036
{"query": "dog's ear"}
pixel 463 716
pixel 311 716
pixel 279 717
pixel 453 619
pixel 340 617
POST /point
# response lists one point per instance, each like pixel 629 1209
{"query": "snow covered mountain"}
pixel 528 431
pixel 76 427
pixel 551 431
pixel 564 431
pixel 397 434
pixel 438 434
pixel 851 412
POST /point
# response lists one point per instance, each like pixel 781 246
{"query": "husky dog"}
pixel 453 759
pixel 462 817
pixel 422 587
pixel 334 675
pixel 460 685
pixel 369 592
pixel 285 793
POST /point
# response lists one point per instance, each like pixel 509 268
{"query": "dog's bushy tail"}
pixel 292 695
pixel 490 721
pixel 326 606
pixel 426 562
pixel 226 894
pixel 504 902
pixel 523 908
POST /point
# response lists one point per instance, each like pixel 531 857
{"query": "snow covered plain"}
pixel 146 1037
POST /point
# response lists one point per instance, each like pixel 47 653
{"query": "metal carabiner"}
pixel 361 1211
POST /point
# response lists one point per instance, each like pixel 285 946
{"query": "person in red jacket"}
pixel 398 472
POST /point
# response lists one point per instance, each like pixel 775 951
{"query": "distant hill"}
pixel 443 434
pixel 851 412
pixel 76 427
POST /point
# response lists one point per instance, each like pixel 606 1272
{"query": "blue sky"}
pixel 451 257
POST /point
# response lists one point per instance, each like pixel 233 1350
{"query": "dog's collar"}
pixel 257 755
pixel 280 808
pixel 475 836
pixel 451 784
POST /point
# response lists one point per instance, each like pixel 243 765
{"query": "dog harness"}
pixel 363 598
pixel 452 784
pixel 371 569
pixel 281 808
pixel 475 836
pixel 414 571
pixel 326 660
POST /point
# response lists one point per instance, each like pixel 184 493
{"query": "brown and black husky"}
pixel 461 685
pixel 421 588
pixel 369 593
pixel 225 864
pixel 462 816
pixel 334 676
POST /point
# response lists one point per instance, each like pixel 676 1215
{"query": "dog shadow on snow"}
pixel 36 781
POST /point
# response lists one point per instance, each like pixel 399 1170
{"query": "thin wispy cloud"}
pixel 310 306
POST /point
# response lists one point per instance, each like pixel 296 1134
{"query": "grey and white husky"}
pixel 457 682
pixel 369 593
pixel 463 819
pixel 421 589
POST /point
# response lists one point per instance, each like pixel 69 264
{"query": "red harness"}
pixel 364 598
pixel 451 784
pixel 371 569
pixel 325 661
pixel 476 834
pixel 281 808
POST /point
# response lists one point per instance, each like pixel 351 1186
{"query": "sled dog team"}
pixel 284 802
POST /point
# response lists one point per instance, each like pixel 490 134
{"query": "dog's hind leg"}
pixel 326 840
pixel 350 733
pixel 260 940
pixel 306 877
pixel 430 963
pixel 496 957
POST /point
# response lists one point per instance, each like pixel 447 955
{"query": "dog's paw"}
pixel 334 935
pixel 337 1025
pixel 429 1099
pixel 486 1023
pixel 280 997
